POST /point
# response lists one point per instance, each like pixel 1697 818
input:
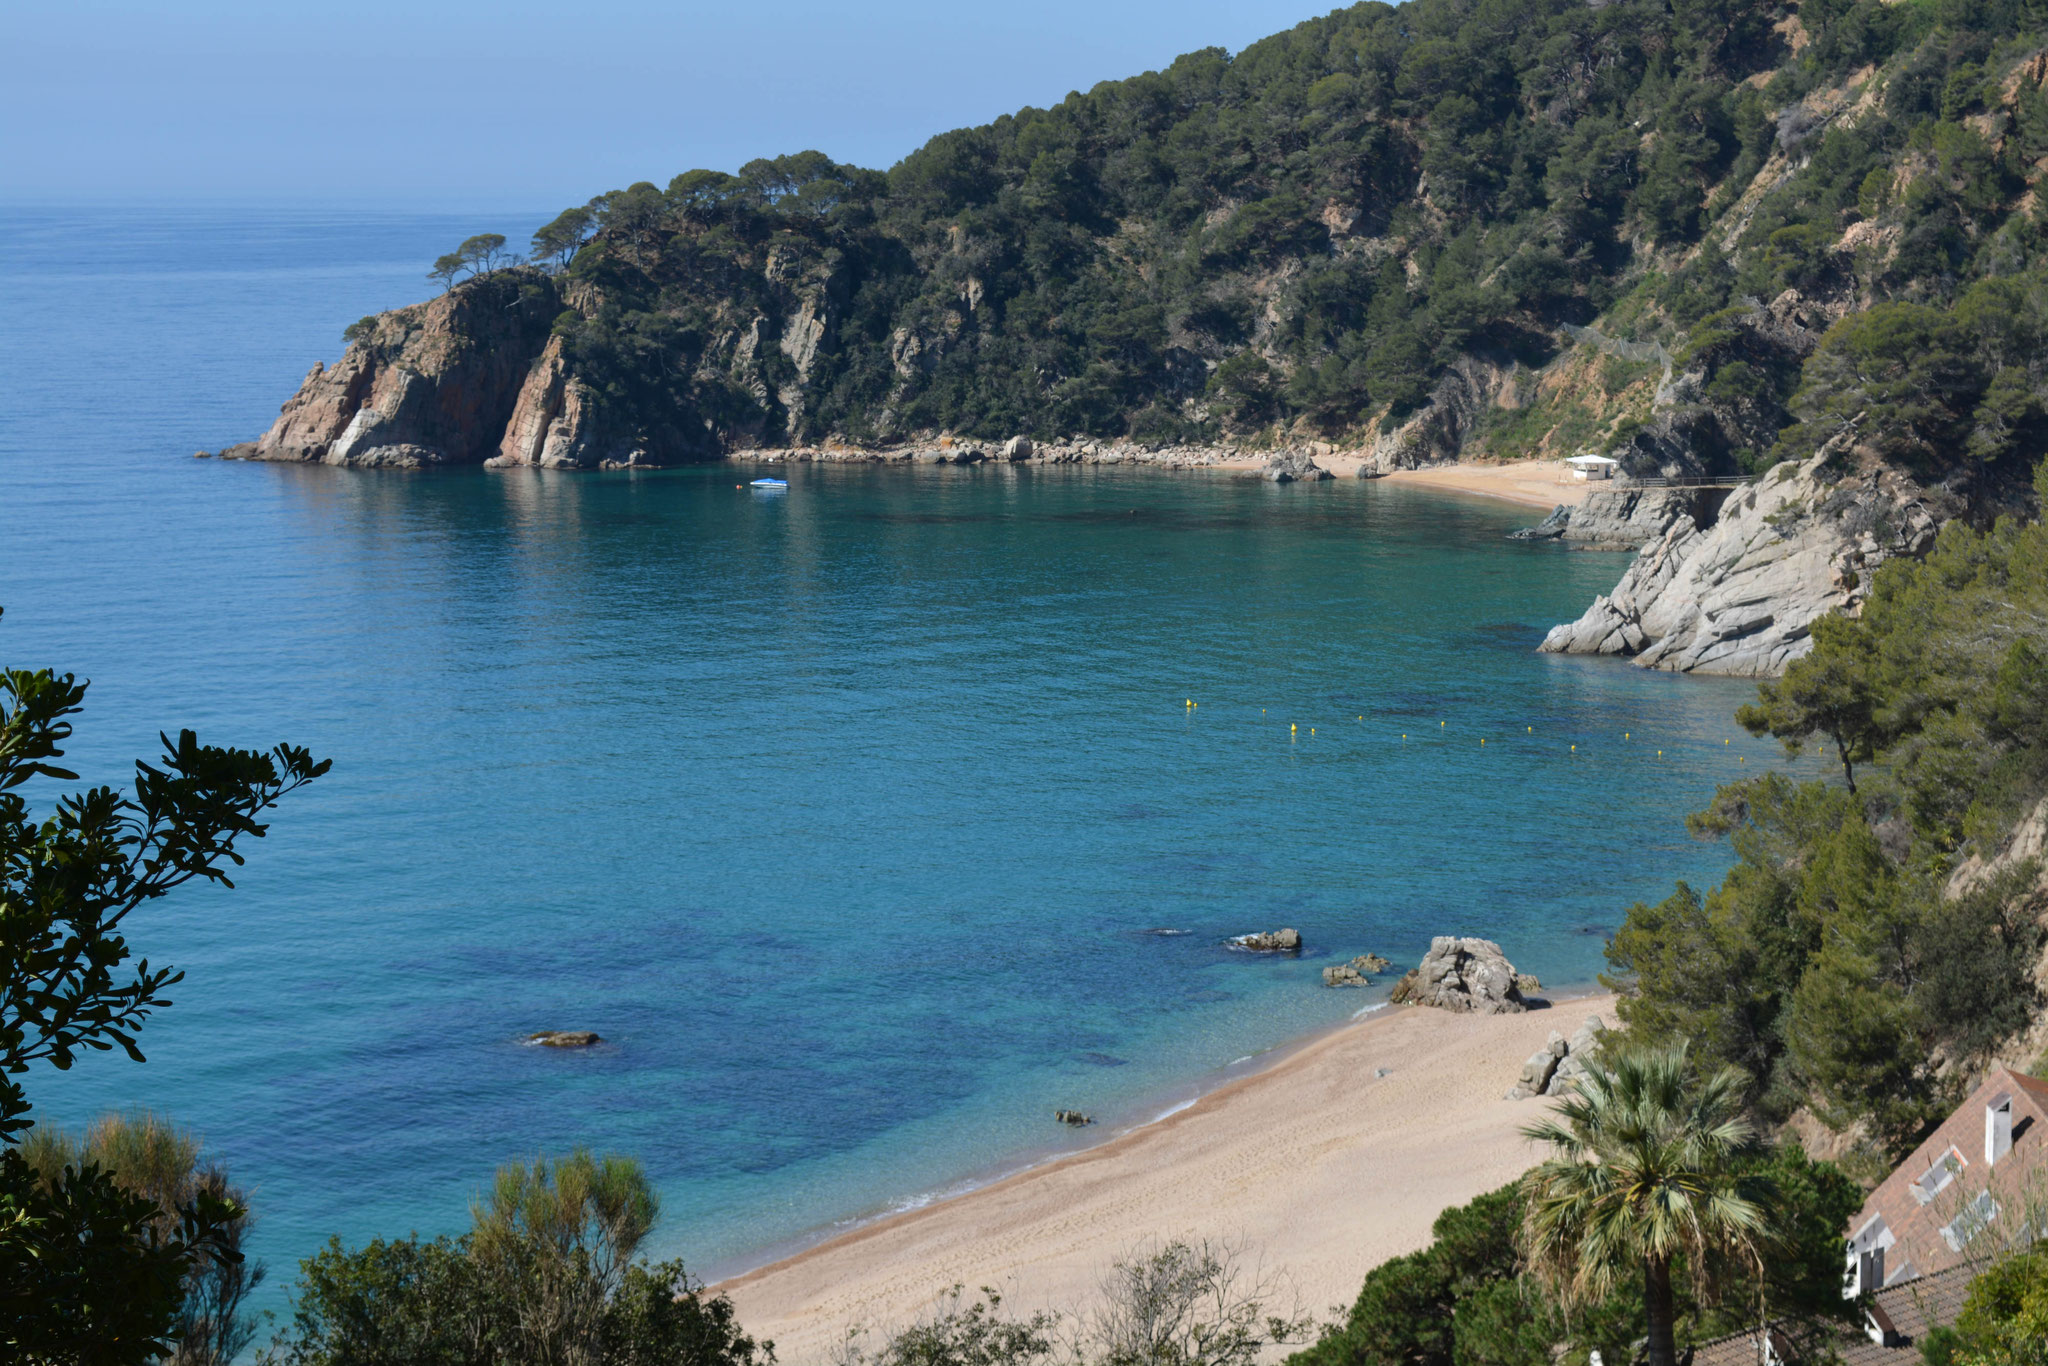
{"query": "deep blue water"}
pixel 852 818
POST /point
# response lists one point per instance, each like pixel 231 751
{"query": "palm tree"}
pixel 1642 1171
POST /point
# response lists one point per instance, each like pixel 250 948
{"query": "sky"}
pixel 453 104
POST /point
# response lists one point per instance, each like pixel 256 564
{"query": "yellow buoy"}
pixel 1575 749
pixel 1530 729
pixel 1660 754
pixel 1311 730
pixel 1191 701
pixel 1439 725
pixel 1624 735
pixel 1482 744
pixel 1293 728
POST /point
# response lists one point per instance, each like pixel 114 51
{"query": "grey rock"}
pixel 1270 941
pixel 1741 596
pixel 1537 1071
pixel 1465 975
pixel 565 1038
pixel 1549 529
pixel 1566 1077
pixel 1356 973
pixel 1072 1117
pixel 1017 448
pixel 1285 469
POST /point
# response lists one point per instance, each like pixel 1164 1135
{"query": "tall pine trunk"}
pixel 1657 1300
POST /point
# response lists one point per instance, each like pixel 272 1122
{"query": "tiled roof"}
pixel 1908 1309
pixel 1921 1223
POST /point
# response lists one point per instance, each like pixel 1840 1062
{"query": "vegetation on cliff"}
pixel 1823 211
pixel 1876 944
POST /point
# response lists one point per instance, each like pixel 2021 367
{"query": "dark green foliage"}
pixel 545 1278
pixel 92 1274
pixel 1466 1300
pixel 2004 1319
pixel 404 1303
pixel 1354 205
pixel 90 1270
pixel 69 882
pixel 1836 964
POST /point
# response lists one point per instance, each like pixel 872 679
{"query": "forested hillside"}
pixel 1820 212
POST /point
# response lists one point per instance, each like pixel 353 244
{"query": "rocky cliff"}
pixel 1739 596
pixel 432 384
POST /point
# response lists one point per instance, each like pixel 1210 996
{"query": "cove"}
pixel 850 816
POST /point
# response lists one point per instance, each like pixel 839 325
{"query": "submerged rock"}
pixel 565 1038
pixel 1470 976
pixel 1270 941
pixel 1356 973
pixel 1072 1117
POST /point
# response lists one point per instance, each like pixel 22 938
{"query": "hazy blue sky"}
pixel 454 103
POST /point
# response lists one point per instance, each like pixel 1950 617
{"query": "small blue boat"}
pixel 771 483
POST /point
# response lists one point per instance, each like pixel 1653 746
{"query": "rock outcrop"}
pixel 1270 941
pixel 1470 976
pixel 565 1038
pixel 1073 1118
pixel 1286 469
pixel 432 384
pixel 1740 597
pixel 1626 517
pixel 1556 1067
pixel 1356 973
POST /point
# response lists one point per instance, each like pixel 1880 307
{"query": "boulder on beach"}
pixel 1470 976
pixel 1525 982
pixel 1270 941
pixel 1073 1117
pixel 1017 448
pixel 1561 1062
pixel 565 1038
pixel 1285 469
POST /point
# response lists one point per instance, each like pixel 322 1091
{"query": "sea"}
pixel 869 822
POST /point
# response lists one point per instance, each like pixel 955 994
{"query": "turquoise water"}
pixel 868 822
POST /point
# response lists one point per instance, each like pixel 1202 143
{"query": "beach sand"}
pixel 1534 483
pixel 1316 1166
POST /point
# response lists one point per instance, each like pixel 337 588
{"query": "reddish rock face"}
pixel 432 384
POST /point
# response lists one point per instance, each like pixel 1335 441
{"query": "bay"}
pixel 869 822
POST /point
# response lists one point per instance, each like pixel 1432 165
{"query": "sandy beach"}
pixel 1319 1167
pixel 1533 483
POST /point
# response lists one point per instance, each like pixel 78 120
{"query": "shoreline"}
pixel 1526 483
pixel 1319 1113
